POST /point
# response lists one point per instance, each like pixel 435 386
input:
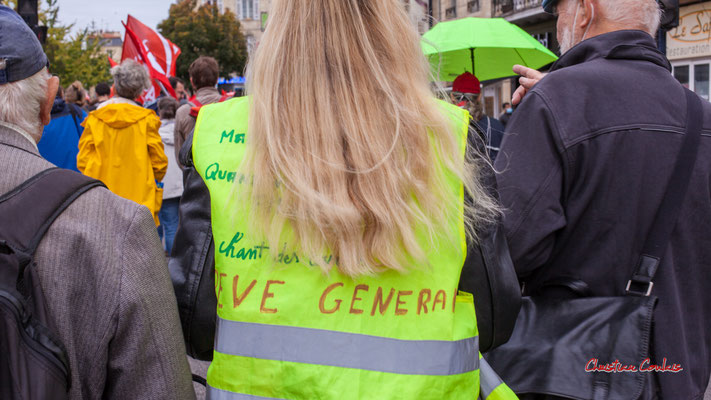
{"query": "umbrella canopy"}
pixel 487 47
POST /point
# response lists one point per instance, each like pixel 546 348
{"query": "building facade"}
pixel 419 12
pixel 252 15
pixel 110 44
pixel 444 10
pixel 689 46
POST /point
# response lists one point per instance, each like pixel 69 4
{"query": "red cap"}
pixel 466 83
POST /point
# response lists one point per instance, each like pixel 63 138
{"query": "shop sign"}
pixel 692 38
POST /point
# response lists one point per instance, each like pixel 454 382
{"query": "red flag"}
pixel 161 52
pixel 157 53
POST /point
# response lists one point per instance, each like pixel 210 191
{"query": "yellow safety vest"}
pixel 287 331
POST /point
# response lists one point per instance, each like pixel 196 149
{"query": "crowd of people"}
pixel 329 234
pixel 104 136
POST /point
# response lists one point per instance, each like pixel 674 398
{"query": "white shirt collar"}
pixel 117 100
pixel 21 132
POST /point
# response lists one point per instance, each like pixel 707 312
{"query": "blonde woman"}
pixel 336 195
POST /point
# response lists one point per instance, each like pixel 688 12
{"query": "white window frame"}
pixel 243 10
pixel 691 64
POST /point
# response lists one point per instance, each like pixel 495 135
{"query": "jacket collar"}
pixel 206 90
pixel 11 136
pixel 117 100
pixel 625 45
pixel 59 106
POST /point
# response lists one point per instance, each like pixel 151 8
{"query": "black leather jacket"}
pixel 192 262
pixel 487 273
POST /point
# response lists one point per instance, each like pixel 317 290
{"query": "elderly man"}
pixel 100 265
pixel 586 161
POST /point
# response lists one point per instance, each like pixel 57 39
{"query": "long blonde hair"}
pixel 343 120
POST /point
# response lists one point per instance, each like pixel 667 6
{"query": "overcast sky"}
pixel 108 14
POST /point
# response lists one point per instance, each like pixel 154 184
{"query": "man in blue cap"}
pixel 100 265
pixel 586 161
pixel 22 58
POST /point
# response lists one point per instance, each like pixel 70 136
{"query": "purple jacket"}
pixel 585 162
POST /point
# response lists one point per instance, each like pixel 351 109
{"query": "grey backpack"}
pixel 33 361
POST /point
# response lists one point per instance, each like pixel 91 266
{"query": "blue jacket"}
pixel 60 140
pixel 492 131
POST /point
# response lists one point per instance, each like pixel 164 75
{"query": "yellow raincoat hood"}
pixel 120 116
pixel 121 147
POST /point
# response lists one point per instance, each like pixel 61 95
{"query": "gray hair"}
pixel 634 13
pixel 20 102
pixel 130 79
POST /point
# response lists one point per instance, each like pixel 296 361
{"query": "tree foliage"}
pixel 72 57
pixel 205 31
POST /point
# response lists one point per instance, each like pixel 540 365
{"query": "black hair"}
pixel 102 89
pixel 174 80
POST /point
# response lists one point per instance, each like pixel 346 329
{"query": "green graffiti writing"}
pixel 245 253
pixel 230 250
pixel 214 173
pixel 231 137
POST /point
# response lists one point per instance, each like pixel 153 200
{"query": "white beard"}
pixel 566 41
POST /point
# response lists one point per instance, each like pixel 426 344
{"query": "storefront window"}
pixel 681 73
pixel 701 80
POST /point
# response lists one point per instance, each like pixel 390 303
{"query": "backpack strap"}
pixel 27 212
pixel 195 109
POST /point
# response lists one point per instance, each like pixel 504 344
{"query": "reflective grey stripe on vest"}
pixel 219 394
pixel 347 350
pixel 488 380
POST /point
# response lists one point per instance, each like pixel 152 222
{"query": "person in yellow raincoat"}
pixel 121 145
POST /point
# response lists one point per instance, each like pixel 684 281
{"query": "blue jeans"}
pixel 168 216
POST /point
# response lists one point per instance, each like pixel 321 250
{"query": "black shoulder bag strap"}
pixel 642 280
pixel 27 212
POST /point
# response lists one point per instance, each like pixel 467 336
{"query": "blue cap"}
pixel 21 54
pixel 548 5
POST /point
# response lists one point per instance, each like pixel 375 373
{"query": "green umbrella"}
pixel 486 47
